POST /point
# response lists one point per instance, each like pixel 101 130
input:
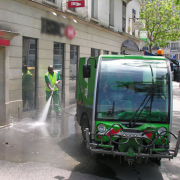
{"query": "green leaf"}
pixel 162 20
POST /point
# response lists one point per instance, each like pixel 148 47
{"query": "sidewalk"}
pixel 176 84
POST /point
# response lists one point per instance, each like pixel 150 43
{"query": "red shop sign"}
pixel 4 42
pixel 75 4
pixel 70 32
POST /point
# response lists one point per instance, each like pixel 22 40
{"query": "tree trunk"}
pixel 150 49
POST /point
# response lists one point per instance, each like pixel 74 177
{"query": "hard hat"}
pixel 159 52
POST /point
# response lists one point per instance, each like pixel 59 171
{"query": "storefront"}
pixel 5 107
pixel 44 39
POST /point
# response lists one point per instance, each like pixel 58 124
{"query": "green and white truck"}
pixel 125 106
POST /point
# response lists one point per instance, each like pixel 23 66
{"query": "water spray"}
pixel 46 108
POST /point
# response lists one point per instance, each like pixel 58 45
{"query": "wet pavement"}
pixel 30 149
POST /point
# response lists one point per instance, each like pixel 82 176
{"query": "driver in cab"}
pixel 119 90
pixel 119 81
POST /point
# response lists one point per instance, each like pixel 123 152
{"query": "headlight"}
pixel 162 129
pixel 101 128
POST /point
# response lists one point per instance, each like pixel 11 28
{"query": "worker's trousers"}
pixel 55 99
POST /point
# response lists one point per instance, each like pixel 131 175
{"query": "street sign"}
pixel 144 22
pixel 75 4
pixel 138 25
pixel 143 35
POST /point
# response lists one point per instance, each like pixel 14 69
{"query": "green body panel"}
pixel 105 146
pixel 130 152
pixel 135 57
pixel 131 143
pixel 85 90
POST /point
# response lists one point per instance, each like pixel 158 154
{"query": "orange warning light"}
pixel 159 52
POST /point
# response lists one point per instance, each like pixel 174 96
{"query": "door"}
pixel 29 71
pixel 2 87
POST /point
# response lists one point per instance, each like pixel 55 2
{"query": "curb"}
pixel 165 174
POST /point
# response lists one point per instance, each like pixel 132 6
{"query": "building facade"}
pixel 38 33
pixel 172 50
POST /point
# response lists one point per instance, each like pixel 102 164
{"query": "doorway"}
pixel 2 87
pixel 29 71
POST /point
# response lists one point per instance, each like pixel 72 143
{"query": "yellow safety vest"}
pixel 27 85
pixel 52 80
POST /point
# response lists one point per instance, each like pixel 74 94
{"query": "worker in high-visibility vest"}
pixel 52 79
pixel 27 88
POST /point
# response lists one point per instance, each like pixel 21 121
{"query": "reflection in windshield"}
pixel 127 91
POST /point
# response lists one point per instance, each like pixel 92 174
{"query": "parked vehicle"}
pixel 124 106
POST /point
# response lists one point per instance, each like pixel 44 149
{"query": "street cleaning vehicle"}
pixel 125 106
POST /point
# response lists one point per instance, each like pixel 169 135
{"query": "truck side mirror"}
pixel 171 64
pixel 86 71
pixel 177 75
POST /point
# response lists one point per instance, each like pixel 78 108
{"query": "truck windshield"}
pixel 132 90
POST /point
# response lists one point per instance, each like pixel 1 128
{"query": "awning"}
pixel 6 36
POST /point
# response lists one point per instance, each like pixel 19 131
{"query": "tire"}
pixel 84 125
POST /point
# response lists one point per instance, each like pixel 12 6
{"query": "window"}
pixel 176 56
pixel 167 46
pixel 174 46
pixel 53 1
pixel 29 64
pixel 58 63
pixel 114 53
pixel 124 17
pixel 73 72
pixel 94 9
pixel 113 72
pixel 111 13
pixel 58 57
pixel 32 47
pixel 71 9
pixel 105 52
pixel 95 52
pixel 133 20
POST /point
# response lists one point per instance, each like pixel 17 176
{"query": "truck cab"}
pixel 124 106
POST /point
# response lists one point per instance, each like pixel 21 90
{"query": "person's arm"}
pixel 49 86
pixel 58 79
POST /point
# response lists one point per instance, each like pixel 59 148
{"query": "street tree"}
pixel 162 22
pixel 177 2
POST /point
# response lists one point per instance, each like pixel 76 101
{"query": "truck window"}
pixel 124 84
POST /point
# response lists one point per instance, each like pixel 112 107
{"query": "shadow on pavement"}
pixel 88 163
pixel 106 166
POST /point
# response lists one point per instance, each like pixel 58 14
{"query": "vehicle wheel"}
pixel 84 125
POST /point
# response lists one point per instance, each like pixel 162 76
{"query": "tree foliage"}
pixel 162 22
pixel 177 2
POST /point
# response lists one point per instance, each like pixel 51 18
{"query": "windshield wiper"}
pixel 151 92
pixel 111 111
pixel 132 119
pixel 153 88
